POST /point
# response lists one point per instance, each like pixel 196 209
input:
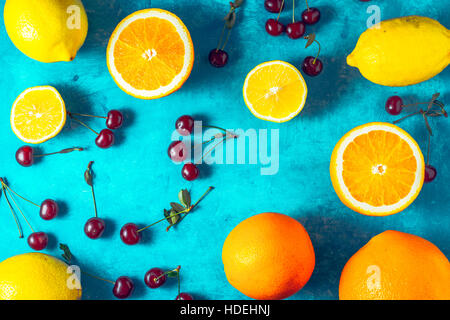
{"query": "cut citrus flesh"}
pixel 38 114
pixel 275 91
pixel 377 169
pixel 150 54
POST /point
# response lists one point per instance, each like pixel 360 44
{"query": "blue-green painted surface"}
pixel 135 179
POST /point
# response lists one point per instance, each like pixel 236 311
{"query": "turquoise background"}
pixel 135 179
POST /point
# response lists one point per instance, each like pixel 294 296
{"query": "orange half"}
pixel 377 169
pixel 150 54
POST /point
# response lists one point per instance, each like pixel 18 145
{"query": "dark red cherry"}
pixel 123 287
pixel 274 6
pixel 184 125
pixel 274 27
pixel 24 156
pixel 154 278
pixel 94 228
pixel 177 151
pixel 184 296
pixel 38 240
pixel 190 171
pixel 49 209
pixel 430 173
pixel 312 66
pixel 394 105
pixel 129 234
pixel 311 16
pixel 105 139
pixel 218 58
pixel 295 30
pixel 114 119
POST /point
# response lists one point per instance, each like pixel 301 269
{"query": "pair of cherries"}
pixel 48 210
pixel 178 151
pixel 105 138
pixel 156 277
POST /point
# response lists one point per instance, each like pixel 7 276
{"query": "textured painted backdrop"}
pixel 135 180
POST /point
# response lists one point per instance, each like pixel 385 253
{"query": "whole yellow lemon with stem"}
pixel 36 276
pixel 46 30
pixel 396 266
pixel 402 51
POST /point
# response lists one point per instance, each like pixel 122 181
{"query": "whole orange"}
pixel 268 256
pixel 396 266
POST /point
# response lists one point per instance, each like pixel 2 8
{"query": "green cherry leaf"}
pixel 67 255
pixel 185 198
pixel 177 207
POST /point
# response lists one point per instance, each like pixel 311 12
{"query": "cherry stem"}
pixel 12 212
pixel 307 6
pixel 228 136
pixel 86 115
pixel 428 149
pixel 221 38
pixel 5 187
pixel 11 190
pixel 218 128
pixel 407 116
pixel 177 269
pixel 428 112
pixel 68 150
pixel 187 210
pixel 165 218
pixel 226 39
pixel 96 277
pixel 318 53
pixel 83 124
pixel 89 167
pixel 223 32
pixel 281 8
pixel 293 11
pixel 195 204
pixel 179 280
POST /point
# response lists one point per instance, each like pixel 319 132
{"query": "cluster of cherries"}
pixel 312 66
pixel 48 210
pixel 178 151
pixel 105 138
pixel 394 106
pixel 295 29
pixel 156 277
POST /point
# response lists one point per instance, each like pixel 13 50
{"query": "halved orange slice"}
pixel 377 169
pixel 38 114
pixel 150 54
pixel 275 91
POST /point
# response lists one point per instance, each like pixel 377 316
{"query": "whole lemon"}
pixel 268 256
pixel 46 30
pixel 35 276
pixel 402 51
pixel 396 266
